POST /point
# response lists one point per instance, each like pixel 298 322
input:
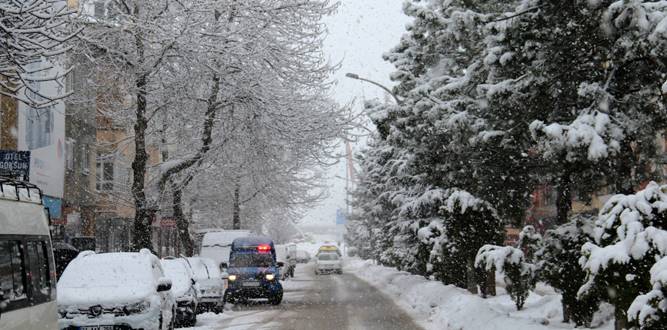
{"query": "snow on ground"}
pixel 251 319
pixel 437 306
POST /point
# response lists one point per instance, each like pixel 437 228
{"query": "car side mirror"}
pixel 163 284
pixel 281 264
pixel 223 265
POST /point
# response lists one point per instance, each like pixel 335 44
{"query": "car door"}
pixel 166 297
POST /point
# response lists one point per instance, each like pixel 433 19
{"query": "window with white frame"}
pixel 105 173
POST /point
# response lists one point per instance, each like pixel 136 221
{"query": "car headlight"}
pixel 137 308
pixel 270 277
pixel 232 278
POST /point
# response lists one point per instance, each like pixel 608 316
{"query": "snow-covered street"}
pixel 316 302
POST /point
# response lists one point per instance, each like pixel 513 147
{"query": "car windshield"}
pixel 251 260
pixel 328 256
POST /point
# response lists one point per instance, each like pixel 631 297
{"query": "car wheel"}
pixel 277 299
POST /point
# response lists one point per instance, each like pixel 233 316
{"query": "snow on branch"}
pixel 594 132
pixel 31 31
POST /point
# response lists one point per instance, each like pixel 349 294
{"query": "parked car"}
pixel 303 257
pixel 27 269
pixel 217 245
pixel 127 290
pixel 254 271
pixel 212 284
pixel 286 254
pixel 328 262
pixel 184 288
pixel 63 254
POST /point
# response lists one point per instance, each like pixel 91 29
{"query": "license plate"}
pixel 251 284
pixel 96 327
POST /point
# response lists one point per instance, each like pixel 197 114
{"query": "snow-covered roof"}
pixel 223 238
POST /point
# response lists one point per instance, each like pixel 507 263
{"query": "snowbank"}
pixel 437 306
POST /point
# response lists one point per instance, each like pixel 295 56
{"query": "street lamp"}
pixel 356 76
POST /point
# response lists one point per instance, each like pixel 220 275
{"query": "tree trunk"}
pixel 623 182
pixel 471 276
pixel 621 319
pixel 142 225
pixel 566 311
pixel 236 222
pixel 182 224
pixel 563 198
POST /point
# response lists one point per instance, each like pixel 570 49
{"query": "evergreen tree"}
pixel 559 267
pixel 630 236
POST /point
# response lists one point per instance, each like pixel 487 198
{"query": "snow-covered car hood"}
pixel 88 294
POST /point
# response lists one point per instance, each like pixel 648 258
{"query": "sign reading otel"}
pixel 15 164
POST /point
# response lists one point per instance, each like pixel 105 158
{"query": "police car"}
pixel 254 271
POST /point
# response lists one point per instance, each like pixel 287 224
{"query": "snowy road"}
pixel 316 302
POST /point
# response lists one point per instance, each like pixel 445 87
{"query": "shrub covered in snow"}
pixel 559 266
pixel 519 275
pixel 649 311
pixel 530 241
pixel 630 235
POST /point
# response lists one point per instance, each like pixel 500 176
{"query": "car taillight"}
pixel 263 248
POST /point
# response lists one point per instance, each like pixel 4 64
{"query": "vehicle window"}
pixel 251 260
pixel 12 274
pixel 38 271
pixel 328 256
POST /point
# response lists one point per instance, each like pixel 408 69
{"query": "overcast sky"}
pixel 359 33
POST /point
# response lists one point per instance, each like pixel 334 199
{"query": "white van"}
pixel 27 269
pixel 217 245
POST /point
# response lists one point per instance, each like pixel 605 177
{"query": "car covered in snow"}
pixel 254 271
pixel 328 262
pixel 212 284
pixel 184 288
pixel 125 290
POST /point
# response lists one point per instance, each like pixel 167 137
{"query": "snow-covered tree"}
pixel 519 275
pixel 30 31
pixel 558 265
pixel 530 241
pixel 630 236
pixel 649 311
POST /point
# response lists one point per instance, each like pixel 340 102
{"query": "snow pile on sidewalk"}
pixel 437 306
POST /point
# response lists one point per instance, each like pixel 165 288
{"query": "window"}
pixel 12 274
pixel 85 159
pixel 69 82
pixel 69 154
pixel 38 271
pixel 105 173
pixel 99 9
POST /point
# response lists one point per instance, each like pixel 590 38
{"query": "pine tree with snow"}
pixel 630 235
pixel 519 275
pixel 649 311
pixel 530 241
pixel 558 266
